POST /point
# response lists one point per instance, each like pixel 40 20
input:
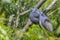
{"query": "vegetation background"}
pixel 12 23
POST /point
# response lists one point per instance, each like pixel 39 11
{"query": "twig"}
pixel 53 11
pixel 21 31
pixel 38 5
pixel 24 12
pixel 16 22
pixel 27 25
pixel 10 20
pixel 50 6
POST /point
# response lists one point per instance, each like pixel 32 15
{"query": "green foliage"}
pixel 35 32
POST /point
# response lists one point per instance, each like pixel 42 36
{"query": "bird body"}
pixel 45 22
pixel 37 16
pixel 34 15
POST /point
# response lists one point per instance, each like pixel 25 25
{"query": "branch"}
pixel 24 12
pixel 10 19
pixel 16 22
pixel 21 32
pixel 54 11
pixel 50 6
pixel 27 25
pixel 38 5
